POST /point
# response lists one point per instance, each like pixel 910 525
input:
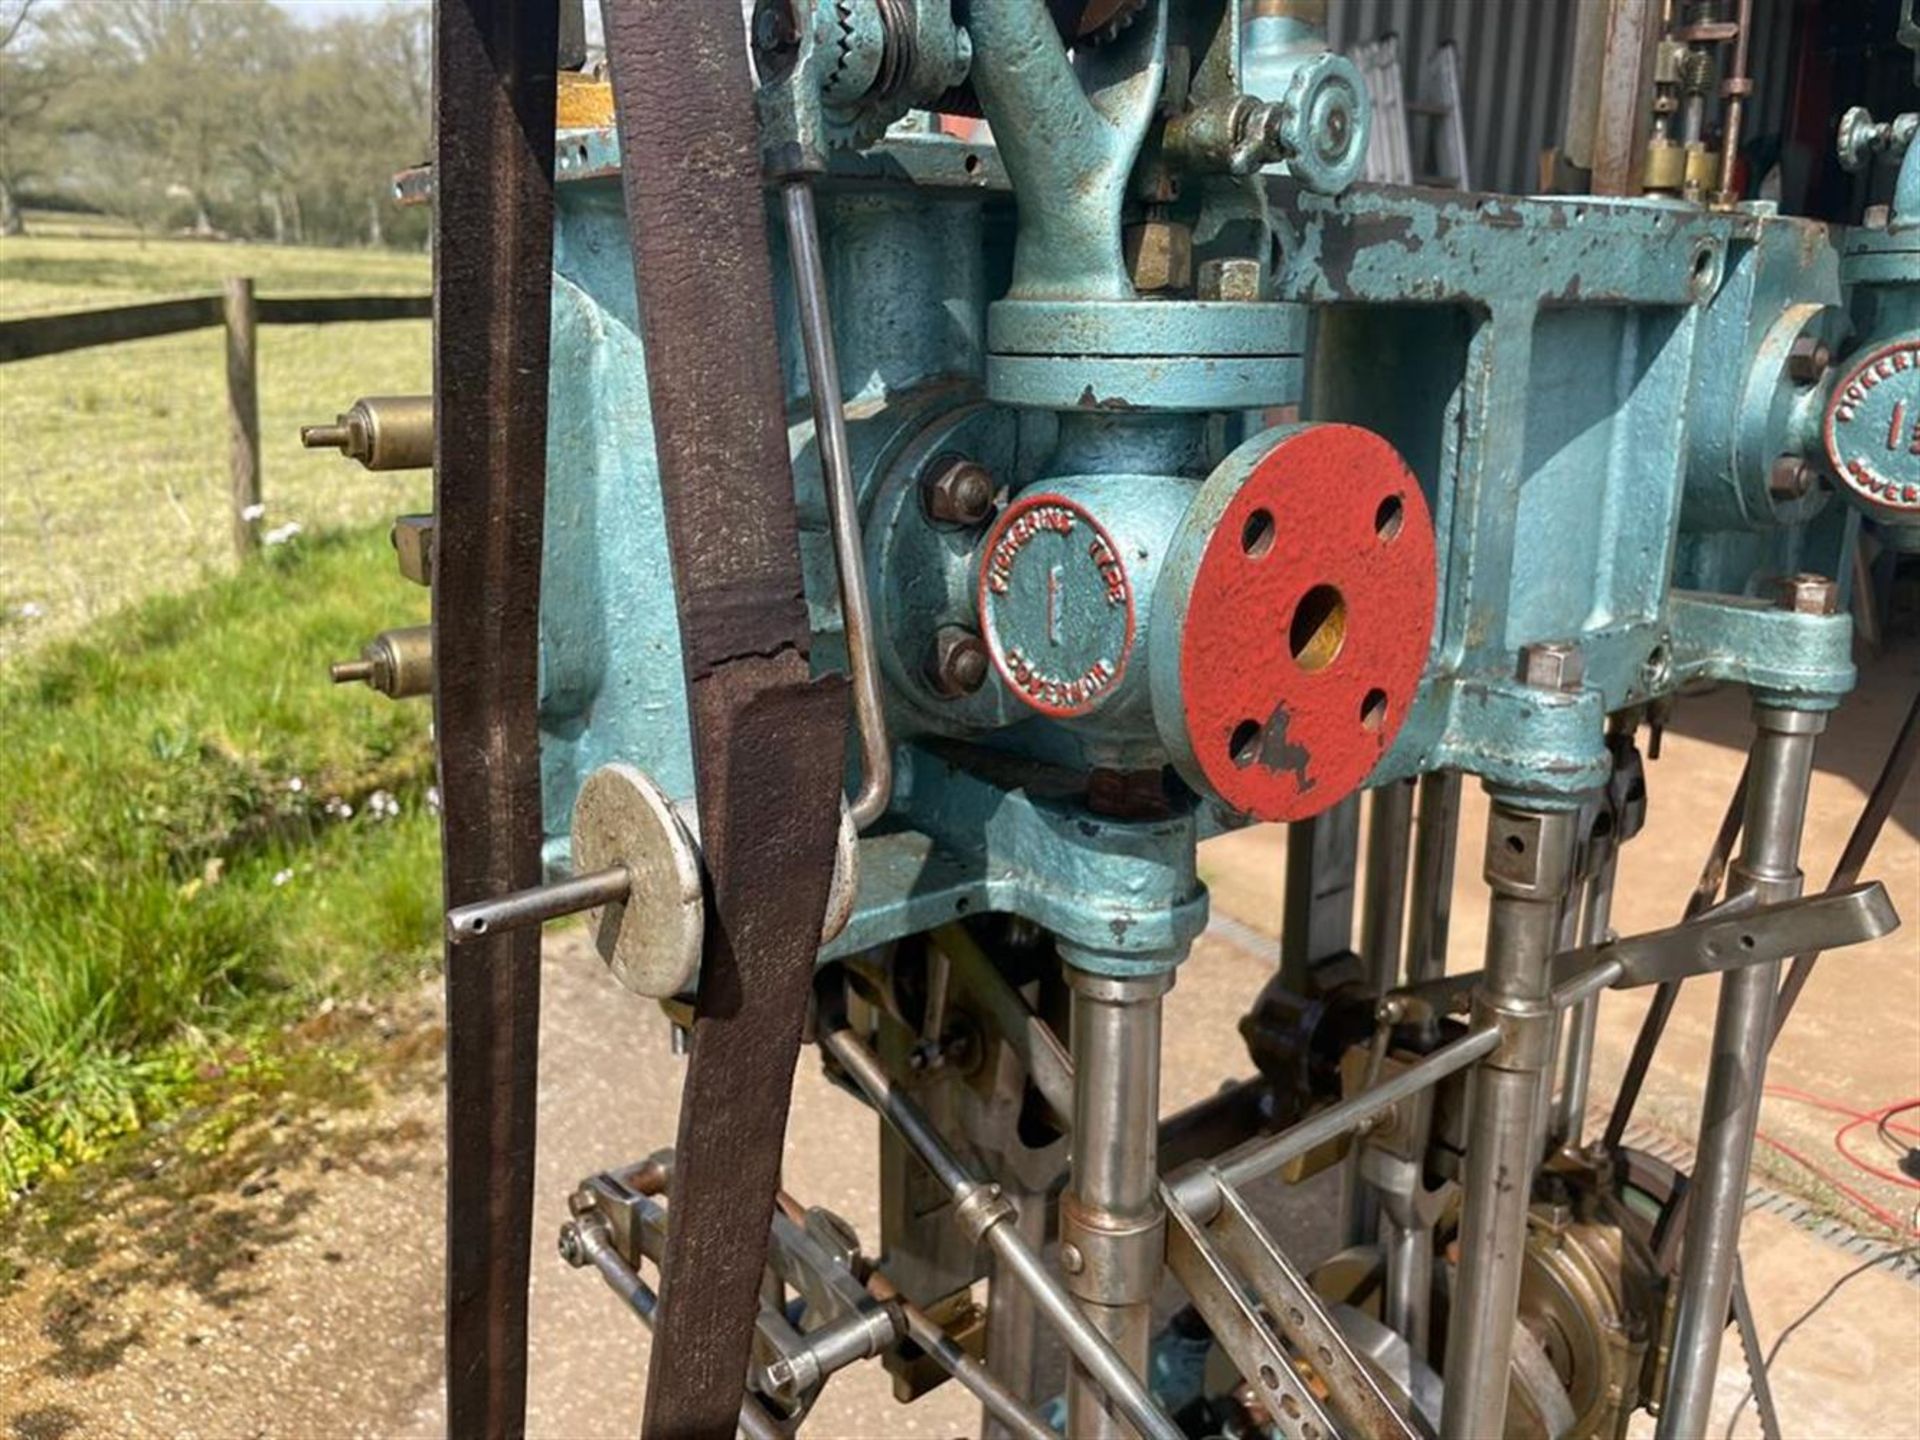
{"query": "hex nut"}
pixel 958 491
pixel 958 666
pixel 1159 255
pixel 1808 360
pixel 1791 479
pixel 1552 666
pixel 1235 280
pixel 1807 594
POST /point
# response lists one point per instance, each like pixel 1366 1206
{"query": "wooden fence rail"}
pixel 239 311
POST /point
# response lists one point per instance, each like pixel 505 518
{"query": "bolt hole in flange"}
pixel 1256 536
pixel 1373 709
pixel 1244 744
pixel 1319 629
pixel 1388 519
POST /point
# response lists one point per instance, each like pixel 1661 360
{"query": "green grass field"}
pixel 200 840
pixel 113 461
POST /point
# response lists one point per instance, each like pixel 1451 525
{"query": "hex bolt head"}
pixel 1791 479
pixel 958 491
pixel 1808 360
pixel 1807 594
pixel 1236 280
pixel 1552 665
pixel 958 665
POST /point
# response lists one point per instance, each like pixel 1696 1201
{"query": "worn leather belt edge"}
pixel 494 91
pixel 769 740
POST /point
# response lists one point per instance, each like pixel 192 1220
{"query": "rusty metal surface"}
pixel 1307 624
pixel 493 98
pixel 762 727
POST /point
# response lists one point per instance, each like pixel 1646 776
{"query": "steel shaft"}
pixel 1529 864
pixel 1768 866
pixel 1112 1227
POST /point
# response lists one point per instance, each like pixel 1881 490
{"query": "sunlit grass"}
pixel 114 461
pixel 201 840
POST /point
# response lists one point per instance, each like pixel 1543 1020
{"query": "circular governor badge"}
pixel 1873 427
pixel 1056 606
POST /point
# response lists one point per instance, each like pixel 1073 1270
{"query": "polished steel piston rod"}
pixel 1112 1229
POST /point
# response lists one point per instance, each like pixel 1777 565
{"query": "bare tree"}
pixel 28 83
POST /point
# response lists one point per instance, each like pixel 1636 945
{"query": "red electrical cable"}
pixel 1855 1119
pixel 1837 1107
pixel 1884 1216
pixel 1892 1177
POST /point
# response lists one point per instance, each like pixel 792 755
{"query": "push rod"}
pixel 1198 1191
pixel 1087 1345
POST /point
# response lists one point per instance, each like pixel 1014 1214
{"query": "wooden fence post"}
pixel 243 414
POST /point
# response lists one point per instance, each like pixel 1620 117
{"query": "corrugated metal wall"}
pixel 1514 59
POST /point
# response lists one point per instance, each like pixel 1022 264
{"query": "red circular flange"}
pixel 1308 622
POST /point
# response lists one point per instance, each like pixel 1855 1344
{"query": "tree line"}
pixel 218 119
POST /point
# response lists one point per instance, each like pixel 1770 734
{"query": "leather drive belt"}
pixel 769 738
pixel 493 258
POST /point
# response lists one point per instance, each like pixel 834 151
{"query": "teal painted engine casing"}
pixel 1609 414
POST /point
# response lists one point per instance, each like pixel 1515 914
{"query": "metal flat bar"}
pixel 494 90
pixel 1240 1328
pixel 1042 1055
pixel 1355 1396
pixel 1317 911
pixel 1763 935
pixel 1436 833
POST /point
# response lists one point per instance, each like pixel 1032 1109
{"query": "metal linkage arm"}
pixel 1735 933
pixel 979 1205
pixel 1202 1191
pixel 1206 1258
pixel 1719 941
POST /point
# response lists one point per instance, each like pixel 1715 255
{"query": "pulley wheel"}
pixel 651 940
